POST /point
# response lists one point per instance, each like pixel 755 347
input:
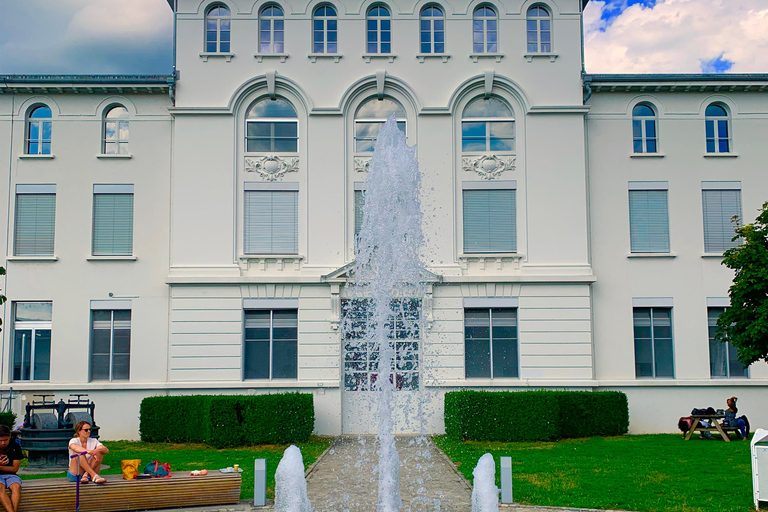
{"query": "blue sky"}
pixel 621 36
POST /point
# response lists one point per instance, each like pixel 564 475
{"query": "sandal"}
pixel 85 479
pixel 99 480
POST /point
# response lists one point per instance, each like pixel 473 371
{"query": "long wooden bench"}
pixel 181 490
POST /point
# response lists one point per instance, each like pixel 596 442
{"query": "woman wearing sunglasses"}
pixel 92 452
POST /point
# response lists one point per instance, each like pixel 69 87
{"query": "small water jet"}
pixel 290 485
pixel 485 494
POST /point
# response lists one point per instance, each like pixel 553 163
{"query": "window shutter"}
pixel 648 221
pixel 112 224
pixel 271 222
pixel 719 207
pixel 490 221
pixel 35 224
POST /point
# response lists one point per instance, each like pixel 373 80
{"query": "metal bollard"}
pixel 260 482
pixel 506 480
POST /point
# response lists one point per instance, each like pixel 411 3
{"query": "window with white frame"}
pixel 271 344
pixel 487 124
pixel 539 28
pixel 217 29
pixel 378 30
pixel 32 340
pixel 490 343
pixel 271 29
pixel 110 344
pixel 272 125
pixel 39 125
pixel 644 129
pixel 648 217
pixel 653 342
pixel 432 29
pixel 112 220
pixel 371 116
pixel 115 133
pixel 35 220
pixel 723 356
pixel 359 208
pixel 719 209
pixel 485 30
pixel 718 129
pixel 271 218
pixel 489 217
pixel 325 30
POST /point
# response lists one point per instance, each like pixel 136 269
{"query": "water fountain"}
pixel 485 494
pixel 290 486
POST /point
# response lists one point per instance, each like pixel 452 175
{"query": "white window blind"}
pixel 648 221
pixel 35 224
pixel 490 221
pixel 359 210
pixel 719 207
pixel 271 222
pixel 112 224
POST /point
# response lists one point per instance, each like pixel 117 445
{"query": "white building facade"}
pixel 193 233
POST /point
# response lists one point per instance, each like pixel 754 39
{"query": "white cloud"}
pixel 678 36
pixel 107 20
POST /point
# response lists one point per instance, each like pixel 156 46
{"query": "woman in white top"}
pixel 92 452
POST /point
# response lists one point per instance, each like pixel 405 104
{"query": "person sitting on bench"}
pixel 10 457
pixel 92 452
pixel 732 421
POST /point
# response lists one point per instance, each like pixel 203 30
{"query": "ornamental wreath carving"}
pixel 271 168
pixel 489 167
pixel 362 164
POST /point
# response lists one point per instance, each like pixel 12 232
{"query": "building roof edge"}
pixel 676 77
pixel 87 79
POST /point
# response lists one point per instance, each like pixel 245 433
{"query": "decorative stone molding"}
pixel 470 263
pixel 489 167
pixel 363 164
pixel 271 262
pixel 271 168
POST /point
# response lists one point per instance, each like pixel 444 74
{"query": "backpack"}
pixel 154 468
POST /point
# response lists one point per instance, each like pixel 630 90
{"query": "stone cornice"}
pixel 74 84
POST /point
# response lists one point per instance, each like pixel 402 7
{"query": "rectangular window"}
pixel 271 344
pixel 110 344
pixel 32 340
pixel 271 221
pixel 35 221
pixel 648 220
pixel 265 136
pixel 723 357
pixel 366 133
pixel 359 210
pixel 653 342
pixel 490 343
pixel 490 220
pixel 112 220
pixel 720 206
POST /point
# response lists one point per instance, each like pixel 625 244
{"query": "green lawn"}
pixel 186 457
pixel 648 473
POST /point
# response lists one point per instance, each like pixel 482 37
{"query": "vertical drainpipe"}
pixel 172 87
pixel 5 334
pixel 171 163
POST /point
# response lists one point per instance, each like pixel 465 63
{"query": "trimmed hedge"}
pixel 534 415
pixel 228 420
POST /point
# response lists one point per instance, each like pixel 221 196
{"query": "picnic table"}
pixel 714 426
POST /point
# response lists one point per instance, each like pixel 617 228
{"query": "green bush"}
pixel 8 419
pixel 226 421
pixel 534 415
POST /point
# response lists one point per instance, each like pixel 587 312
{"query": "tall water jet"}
pixel 290 485
pixel 485 494
pixel 388 279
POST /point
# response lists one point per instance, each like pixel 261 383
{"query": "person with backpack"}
pixel 732 421
pixel 10 457
pixel 92 452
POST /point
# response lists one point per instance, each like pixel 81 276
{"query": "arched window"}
pixel 432 23
pixel 487 125
pixel 272 125
pixel 325 30
pixel 369 119
pixel 115 134
pixel 39 131
pixel 539 27
pixel 644 129
pixel 718 129
pixel 378 30
pixel 484 30
pixel 217 20
pixel 271 30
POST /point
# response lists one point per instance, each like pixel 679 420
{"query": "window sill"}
pixel 477 56
pixel 327 56
pixel 32 258
pixel 424 56
pixel 712 255
pixel 551 56
pixel 647 155
pixel 117 157
pixel 35 157
pixel 483 261
pixel 210 55
pixel 369 56
pixel 261 56
pixel 111 258
pixel 652 255
pixel 720 155
pixel 270 261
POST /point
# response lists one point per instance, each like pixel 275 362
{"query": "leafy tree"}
pixel 745 323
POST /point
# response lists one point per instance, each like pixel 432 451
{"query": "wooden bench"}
pixel 181 490
pixel 714 426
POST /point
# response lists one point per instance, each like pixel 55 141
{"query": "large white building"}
pixel 193 233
